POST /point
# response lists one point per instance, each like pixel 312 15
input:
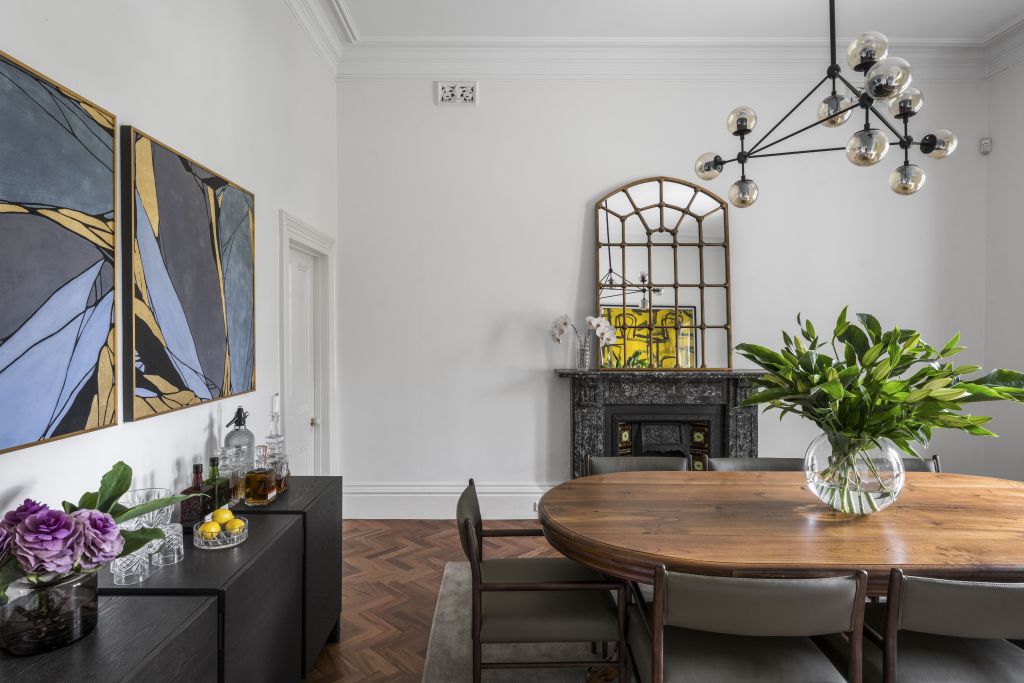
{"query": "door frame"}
pixel 296 234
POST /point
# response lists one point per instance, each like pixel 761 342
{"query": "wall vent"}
pixel 457 92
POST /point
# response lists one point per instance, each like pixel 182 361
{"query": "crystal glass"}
pixel 741 120
pixel 832 104
pixel 708 166
pixel 866 49
pixel 171 549
pixel 39 618
pixel 939 143
pixel 907 103
pixel 132 569
pixel 888 78
pixel 583 350
pixel 743 193
pixel 234 467
pixel 907 179
pixel 867 147
pixel 855 476
pixel 151 519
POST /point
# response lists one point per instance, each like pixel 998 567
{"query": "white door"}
pixel 302 372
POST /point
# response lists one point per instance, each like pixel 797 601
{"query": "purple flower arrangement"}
pixel 44 544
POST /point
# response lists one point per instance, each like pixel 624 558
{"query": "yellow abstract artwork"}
pixel 651 338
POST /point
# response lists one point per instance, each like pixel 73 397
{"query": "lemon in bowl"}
pixel 222 516
pixel 209 530
pixel 234 526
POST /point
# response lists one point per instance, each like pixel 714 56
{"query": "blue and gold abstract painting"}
pixel 189 311
pixel 58 355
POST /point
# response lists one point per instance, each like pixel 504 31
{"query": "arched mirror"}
pixel 663 276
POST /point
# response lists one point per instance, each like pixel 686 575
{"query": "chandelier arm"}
pixel 887 124
pixel 808 127
pixel 851 86
pixel 799 151
pixel 797 106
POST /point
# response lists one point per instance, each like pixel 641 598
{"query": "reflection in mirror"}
pixel 651 289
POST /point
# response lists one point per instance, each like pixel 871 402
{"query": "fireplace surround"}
pixel 693 414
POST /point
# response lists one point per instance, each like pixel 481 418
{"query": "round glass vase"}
pixel 40 618
pixel 855 476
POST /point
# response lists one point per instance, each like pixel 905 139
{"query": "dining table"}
pixel 770 524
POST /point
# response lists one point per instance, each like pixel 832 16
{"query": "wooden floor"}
pixel 391 573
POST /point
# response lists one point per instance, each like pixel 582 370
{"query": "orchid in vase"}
pixel 874 396
pixel 49 558
pixel 602 329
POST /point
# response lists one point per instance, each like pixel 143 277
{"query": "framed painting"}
pixel 189 313
pixel 58 257
pixel 659 338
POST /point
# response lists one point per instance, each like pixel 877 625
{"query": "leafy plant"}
pixel 875 384
pixel 634 360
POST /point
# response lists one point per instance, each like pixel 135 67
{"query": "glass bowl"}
pixel 222 540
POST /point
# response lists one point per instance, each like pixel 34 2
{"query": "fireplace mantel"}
pixel 595 394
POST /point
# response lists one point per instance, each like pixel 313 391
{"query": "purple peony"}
pixel 102 541
pixel 21 513
pixel 47 541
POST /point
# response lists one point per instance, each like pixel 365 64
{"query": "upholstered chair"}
pixel 656 463
pixel 725 629
pixel 942 631
pixel 756 464
pixel 931 464
pixel 536 599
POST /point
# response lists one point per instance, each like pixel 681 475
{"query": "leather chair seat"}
pixel 512 570
pixel 548 616
pixel 926 658
pixel 699 657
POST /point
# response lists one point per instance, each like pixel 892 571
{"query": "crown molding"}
pixel 348 25
pixel 321 28
pixel 1006 49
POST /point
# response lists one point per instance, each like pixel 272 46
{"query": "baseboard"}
pixel 436 500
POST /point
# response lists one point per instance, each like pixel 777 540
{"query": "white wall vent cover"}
pixel 457 92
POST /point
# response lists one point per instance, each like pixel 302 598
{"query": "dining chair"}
pixel 931 464
pixel 655 463
pixel 943 631
pixel 536 599
pixel 713 628
pixel 756 464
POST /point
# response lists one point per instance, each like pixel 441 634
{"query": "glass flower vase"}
pixel 855 476
pixel 583 351
pixel 40 618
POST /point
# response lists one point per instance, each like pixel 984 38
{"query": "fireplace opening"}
pixel 691 432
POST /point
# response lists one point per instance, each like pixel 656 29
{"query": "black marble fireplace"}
pixel 648 412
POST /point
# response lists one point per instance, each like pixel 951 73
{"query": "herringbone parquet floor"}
pixel 391 572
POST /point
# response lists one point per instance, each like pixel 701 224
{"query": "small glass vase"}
pixel 40 618
pixel 855 476
pixel 583 351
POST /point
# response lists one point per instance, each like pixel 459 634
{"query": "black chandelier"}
pixel 886 79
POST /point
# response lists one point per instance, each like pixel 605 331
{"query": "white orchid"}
pixel 559 327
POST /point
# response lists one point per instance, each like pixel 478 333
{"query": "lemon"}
pixel 234 526
pixel 209 530
pixel 222 515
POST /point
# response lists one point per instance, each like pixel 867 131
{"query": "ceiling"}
pixel 913 21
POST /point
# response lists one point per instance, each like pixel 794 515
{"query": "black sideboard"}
pixel 153 639
pixel 316 502
pixel 258 589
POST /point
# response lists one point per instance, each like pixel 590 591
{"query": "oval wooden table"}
pixel 764 523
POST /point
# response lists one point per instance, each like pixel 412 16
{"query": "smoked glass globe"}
pixel 906 104
pixel 708 166
pixel 743 193
pixel 939 143
pixel 867 147
pixel 741 120
pixel 887 78
pixel 832 104
pixel 907 179
pixel 867 49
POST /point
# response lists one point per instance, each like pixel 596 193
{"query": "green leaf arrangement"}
pixel 875 384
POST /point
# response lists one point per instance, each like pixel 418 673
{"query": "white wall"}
pixel 466 230
pixel 236 85
pixel 1005 274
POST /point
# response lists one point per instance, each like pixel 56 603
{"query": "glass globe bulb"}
pixel 887 78
pixel 867 147
pixel 741 120
pixel 867 49
pixel 832 104
pixel 939 143
pixel 906 104
pixel 743 193
pixel 907 179
pixel 708 166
